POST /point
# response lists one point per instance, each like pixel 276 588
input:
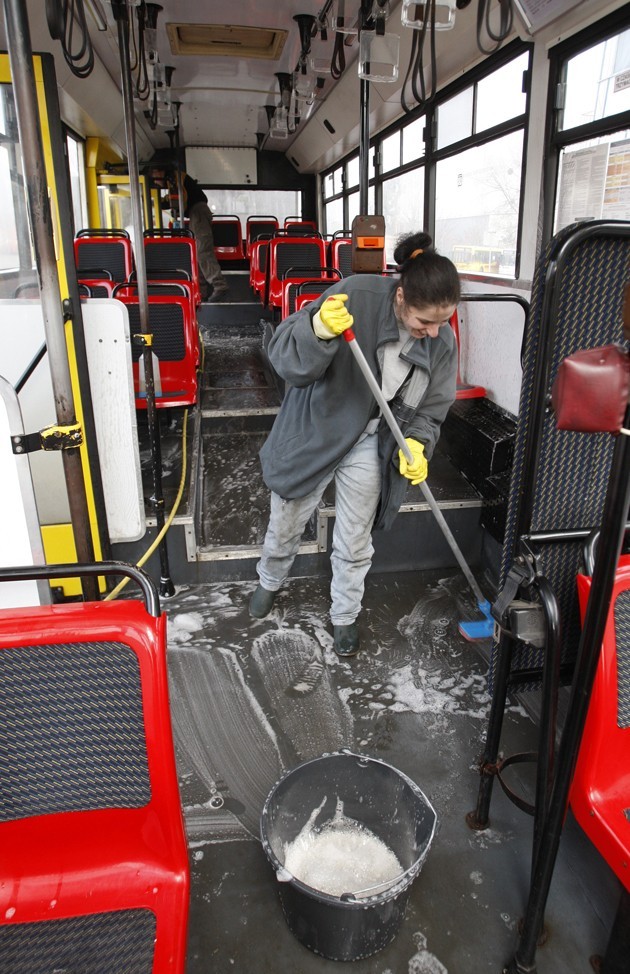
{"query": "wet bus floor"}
pixel 252 699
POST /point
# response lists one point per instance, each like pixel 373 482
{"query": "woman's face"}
pixel 422 322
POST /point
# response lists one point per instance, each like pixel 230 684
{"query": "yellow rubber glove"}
pixel 332 318
pixel 417 471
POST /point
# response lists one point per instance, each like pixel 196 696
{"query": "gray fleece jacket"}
pixel 328 403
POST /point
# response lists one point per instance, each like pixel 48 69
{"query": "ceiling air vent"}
pixel 226 40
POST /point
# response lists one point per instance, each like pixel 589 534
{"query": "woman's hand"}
pixel 333 318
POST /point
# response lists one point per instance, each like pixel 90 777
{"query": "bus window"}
pixel 593 177
pixel 402 206
pixel 17 263
pixel 76 166
pixel 250 202
pixel 334 216
pixel 477 201
pixel 595 86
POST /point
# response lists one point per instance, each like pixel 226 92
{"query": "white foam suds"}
pixel 341 856
pixel 422 691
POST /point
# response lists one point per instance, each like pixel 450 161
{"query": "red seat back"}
pixel 256 226
pixel 175 347
pixel 340 251
pixel 227 235
pixel 315 285
pixel 464 391
pixel 258 265
pixel 94 856
pixel 165 255
pixel 294 254
pixel 103 254
pixel 600 791
pixel 297 223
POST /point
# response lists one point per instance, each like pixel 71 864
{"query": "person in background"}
pixel 200 221
pixel 329 425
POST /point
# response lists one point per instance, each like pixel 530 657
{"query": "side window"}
pixel 592 95
pixel 478 187
pixel 17 264
pixel 75 149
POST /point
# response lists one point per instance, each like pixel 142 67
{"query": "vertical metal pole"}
pixel 121 14
pixel 613 526
pixel 180 178
pixel 364 146
pixel 25 93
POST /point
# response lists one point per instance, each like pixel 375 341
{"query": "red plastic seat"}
pixel 600 791
pixel 95 288
pixel 168 253
pixel 175 345
pixel 258 265
pixel 257 226
pixel 295 254
pixel 340 255
pixel 227 234
pixel 464 391
pixel 315 285
pixel 297 223
pixel 102 254
pixel 94 857
pixel 156 286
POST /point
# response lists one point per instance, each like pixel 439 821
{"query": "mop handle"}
pixel 362 362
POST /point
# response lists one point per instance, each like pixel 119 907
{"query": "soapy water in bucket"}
pixel 340 856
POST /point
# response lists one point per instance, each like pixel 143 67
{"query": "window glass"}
pixel 390 152
pixel 76 167
pixel 334 216
pixel 333 183
pixel 476 207
pixel 352 172
pixel 17 264
pixel 413 141
pixel 353 208
pixel 353 205
pixel 597 82
pixel 594 180
pixel 455 118
pixel 403 198
pixel 8 239
pixel 250 202
pixel 500 95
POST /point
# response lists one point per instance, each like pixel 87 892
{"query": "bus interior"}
pixel 146 716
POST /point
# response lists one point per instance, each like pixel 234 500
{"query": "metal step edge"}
pixel 219 413
pixel 248 551
pixel 422 506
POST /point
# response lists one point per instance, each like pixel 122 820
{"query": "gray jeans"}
pixel 201 226
pixel 357 491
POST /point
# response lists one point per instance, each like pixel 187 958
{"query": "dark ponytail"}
pixel 426 277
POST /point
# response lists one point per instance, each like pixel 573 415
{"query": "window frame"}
pixel 430 155
pixel 557 139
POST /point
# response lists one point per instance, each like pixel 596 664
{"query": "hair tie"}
pixel 416 253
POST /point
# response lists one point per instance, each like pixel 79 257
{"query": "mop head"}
pixel 484 629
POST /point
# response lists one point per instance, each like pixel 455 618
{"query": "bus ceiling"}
pixel 276 77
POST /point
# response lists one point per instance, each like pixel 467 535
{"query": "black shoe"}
pixel 218 293
pixel 346 639
pixel 261 603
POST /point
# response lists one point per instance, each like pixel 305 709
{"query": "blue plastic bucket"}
pixel 378 797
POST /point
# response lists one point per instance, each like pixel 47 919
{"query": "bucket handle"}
pixel 349 897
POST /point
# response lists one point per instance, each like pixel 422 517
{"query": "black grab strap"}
pixel 524 757
pixel 517 576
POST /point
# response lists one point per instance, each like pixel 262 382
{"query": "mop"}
pixel 469 630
